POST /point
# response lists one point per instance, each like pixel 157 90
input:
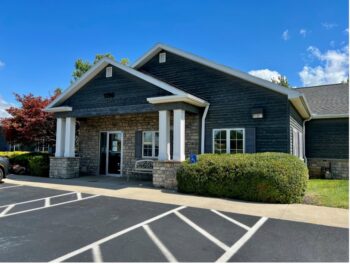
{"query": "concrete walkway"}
pixel 138 190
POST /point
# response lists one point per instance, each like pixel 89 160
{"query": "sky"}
pixel 306 41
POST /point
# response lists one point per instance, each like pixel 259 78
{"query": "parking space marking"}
pixel 231 220
pixel 7 209
pixel 96 254
pixel 236 246
pixel 202 231
pixel 7 187
pixel 45 207
pixel 39 199
pixel 167 254
pixel 115 235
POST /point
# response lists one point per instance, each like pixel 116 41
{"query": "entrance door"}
pixel 111 144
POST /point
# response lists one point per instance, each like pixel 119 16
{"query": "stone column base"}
pixel 164 174
pixel 64 168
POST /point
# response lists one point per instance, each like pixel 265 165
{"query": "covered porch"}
pixel 177 127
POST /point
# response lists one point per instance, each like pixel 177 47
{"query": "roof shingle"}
pixel 330 99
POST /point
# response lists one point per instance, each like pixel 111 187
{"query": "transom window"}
pixel 228 140
pixel 150 144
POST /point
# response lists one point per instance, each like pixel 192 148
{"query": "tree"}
pixel 281 80
pixel 29 124
pixel 82 66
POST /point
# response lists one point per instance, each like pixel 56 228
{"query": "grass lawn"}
pixel 332 193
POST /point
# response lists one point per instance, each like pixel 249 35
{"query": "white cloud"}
pixel 2 64
pixel 265 74
pixel 332 68
pixel 346 31
pixel 4 105
pixel 285 35
pixel 329 26
pixel 303 32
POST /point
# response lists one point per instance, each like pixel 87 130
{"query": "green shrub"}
pixel 263 177
pixel 35 163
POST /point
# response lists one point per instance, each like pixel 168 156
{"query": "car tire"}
pixel 2 175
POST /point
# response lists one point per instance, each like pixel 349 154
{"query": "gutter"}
pixel 203 127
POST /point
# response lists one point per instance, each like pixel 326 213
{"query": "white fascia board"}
pixel 190 99
pixel 58 109
pixel 239 74
pixel 91 73
pixel 330 116
pixel 300 105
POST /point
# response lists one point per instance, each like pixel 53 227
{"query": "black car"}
pixel 4 167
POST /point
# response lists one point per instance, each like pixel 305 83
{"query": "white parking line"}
pixel 47 202
pixel 202 231
pixel 167 254
pixel 39 199
pixel 232 250
pixel 115 235
pixel 43 207
pixel 7 187
pixel 231 220
pixel 96 254
pixel 7 209
pixel 79 197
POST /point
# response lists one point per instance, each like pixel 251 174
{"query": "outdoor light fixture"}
pixel 257 113
pixel 108 95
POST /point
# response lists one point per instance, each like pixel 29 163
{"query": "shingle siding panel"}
pixel 231 101
pixel 327 138
pixel 129 91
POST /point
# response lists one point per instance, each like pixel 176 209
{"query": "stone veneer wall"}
pixel 64 168
pixel 164 174
pixel 339 168
pixel 90 129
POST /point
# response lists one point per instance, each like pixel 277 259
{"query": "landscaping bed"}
pixel 332 193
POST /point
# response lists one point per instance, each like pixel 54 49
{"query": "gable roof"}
pixel 94 70
pixel 328 100
pixel 297 98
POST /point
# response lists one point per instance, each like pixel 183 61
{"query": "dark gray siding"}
pixel 130 94
pixel 296 122
pixel 231 101
pixel 327 138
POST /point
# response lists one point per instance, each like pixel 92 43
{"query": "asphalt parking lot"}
pixel 43 225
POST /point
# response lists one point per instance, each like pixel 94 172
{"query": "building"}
pixel 169 104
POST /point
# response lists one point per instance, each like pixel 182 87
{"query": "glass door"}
pixel 111 144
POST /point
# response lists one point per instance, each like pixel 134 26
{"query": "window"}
pixel 297 143
pixel 228 140
pixel 162 57
pixel 109 71
pixel 150 144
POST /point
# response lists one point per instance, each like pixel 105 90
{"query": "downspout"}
pixel 203 127
pixel 304 132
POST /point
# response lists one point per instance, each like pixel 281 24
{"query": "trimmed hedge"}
pixel 35 163
pixel 263 177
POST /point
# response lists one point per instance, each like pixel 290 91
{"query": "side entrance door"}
pixel 111 149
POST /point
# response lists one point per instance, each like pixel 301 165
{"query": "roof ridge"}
pixel 321 85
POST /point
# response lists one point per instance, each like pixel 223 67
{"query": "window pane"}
pixel 239 134
pixel 147 150
pixel 236 141
pixel 147 137
pixel 220 141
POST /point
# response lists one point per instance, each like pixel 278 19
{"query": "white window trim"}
pixel 162 57
pixel 228 141
pixel 153 144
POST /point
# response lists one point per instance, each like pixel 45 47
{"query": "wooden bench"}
pixel 143 166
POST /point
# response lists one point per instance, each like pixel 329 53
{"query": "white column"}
pixel 164 135
pixel 179 135
pixel 69 147
pixel 60 135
